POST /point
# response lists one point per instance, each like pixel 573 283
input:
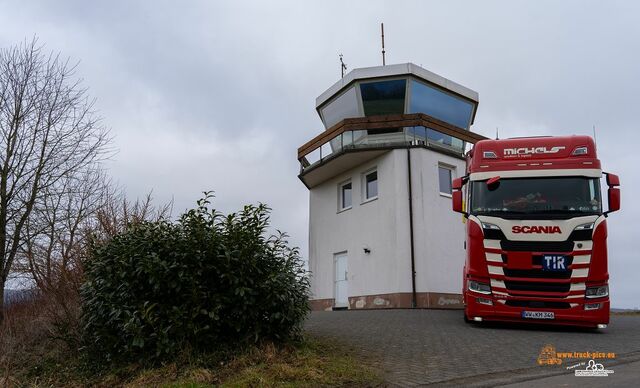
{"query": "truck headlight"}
pixel 486 225
pixel 588 226
pixel 481 288
pixel 597 292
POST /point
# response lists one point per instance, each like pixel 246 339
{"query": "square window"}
pixel 444 180
pixel 371 185
pixel 345 196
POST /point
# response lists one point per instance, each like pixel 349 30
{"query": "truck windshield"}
pixel 559 196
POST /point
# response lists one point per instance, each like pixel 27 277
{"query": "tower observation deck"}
pixel 377 108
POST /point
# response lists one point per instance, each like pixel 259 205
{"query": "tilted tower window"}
pixel 440 104
pixel 383 97
pixel 344 106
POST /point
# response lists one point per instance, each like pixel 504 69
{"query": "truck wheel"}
pixel 467 320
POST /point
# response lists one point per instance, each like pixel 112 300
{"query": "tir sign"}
pixel 554 263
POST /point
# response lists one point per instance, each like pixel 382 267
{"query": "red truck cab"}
pixel 536 231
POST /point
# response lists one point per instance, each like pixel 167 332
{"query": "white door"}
pixel 341 296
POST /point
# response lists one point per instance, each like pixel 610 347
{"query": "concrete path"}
pixel 625 375
pixel 420 347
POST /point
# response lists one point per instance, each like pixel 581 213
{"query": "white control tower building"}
pixel 381 230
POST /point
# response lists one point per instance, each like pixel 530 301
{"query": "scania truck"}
pixel 536 231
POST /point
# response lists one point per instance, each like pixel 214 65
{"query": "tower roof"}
pixel 396 70
pixel 397 89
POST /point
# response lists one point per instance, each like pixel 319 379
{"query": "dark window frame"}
pixel 366 182
pixel 341 196
pixel 450 170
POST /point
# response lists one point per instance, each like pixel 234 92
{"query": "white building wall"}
pixel 439 233
pixel 381 225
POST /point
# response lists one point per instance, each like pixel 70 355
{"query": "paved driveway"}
pixel 417 347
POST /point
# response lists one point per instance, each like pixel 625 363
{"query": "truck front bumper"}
pixel 476 308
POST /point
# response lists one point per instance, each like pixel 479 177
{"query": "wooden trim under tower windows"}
pixel 388 121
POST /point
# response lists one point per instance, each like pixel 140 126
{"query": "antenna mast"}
pixel 343 66
pixel 382 29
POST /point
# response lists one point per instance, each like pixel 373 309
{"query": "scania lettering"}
pixel 536 231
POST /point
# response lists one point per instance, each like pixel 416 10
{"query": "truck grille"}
pixel 537 286
pixel 534 282
pixel 537 246
pixel 536 273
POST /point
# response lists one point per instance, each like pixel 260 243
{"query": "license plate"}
pixel 554 263
pixel 538 315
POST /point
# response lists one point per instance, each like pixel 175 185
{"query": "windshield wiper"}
pixel 500 212
pixel 561 211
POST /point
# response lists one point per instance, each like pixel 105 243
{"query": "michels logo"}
pixel 536 229
pixel 532 150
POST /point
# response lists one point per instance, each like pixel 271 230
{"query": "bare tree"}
pixel 117 214
pixel 55 238
pixel 50 141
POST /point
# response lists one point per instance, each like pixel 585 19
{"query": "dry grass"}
pixel 30 343
pixel 630 312
pixel 34 354
pixel 315 363
pixel 312 363
pixel 17 338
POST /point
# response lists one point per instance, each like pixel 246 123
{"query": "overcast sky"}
pixel 210 95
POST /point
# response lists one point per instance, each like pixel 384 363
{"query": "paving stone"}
pixel 419 347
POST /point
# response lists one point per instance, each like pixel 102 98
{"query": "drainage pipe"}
pixel 414 302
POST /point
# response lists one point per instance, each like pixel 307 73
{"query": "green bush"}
pixel 203 282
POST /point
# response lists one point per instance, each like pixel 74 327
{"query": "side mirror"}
pixel 457 183
pixel 614 200
pixel 612 180
pixel 456 201
pixel 456 194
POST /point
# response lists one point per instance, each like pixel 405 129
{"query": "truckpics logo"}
pixel 536 229
pixel 528 151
